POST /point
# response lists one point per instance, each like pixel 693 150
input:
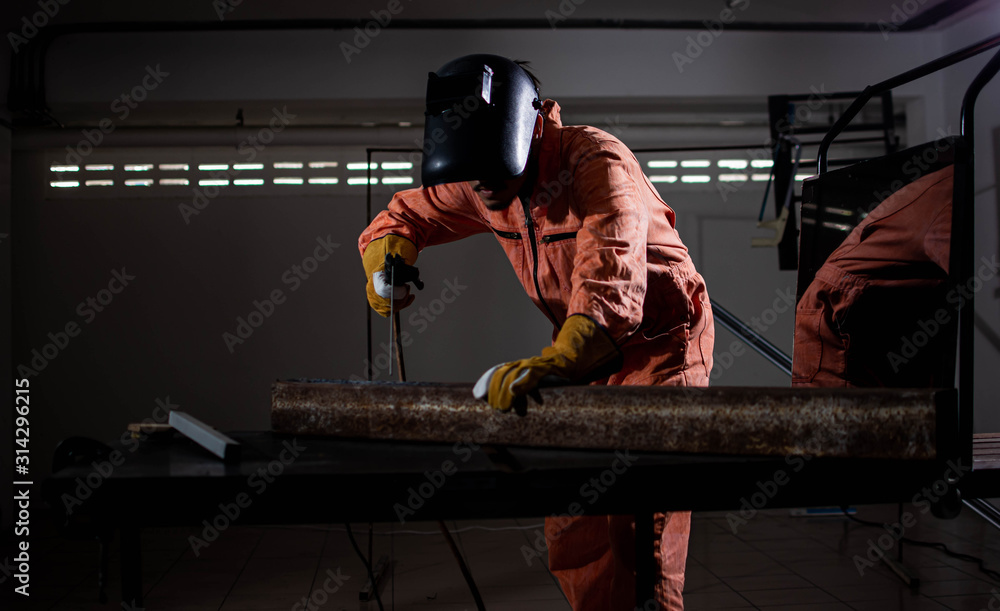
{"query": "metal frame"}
pixel 963 211
pixel 783 132
pixel 167 483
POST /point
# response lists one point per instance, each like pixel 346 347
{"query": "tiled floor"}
pixel 773 562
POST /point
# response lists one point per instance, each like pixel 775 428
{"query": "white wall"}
pixel 308 65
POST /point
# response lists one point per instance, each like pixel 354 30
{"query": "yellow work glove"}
pixel 582 352
pixel 379 288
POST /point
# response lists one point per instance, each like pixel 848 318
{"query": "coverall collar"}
pixel 549 148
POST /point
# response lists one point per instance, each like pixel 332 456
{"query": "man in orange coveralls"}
pixel 875 314
pixel 596 250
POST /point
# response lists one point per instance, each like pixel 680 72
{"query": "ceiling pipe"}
pixel 26 94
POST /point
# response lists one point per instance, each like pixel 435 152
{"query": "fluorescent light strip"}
pixel 104 182
pixel 64 168
pixel 319 165
pixel 733 164
pixel 64 184
pixel 663 178
pixel 287 165
pixel 138 167
pixel 361 181
pixel 99 167
pixel 397 165
pixel 323 181
pixel 242 167
pixel 209 167
pixel 397 180
pixel 840 226
pixel 360 165
pixel 802 176
pixel 696 163
pixel 759 177
pixel 288 180
pixel 662 163
pixel 840 211
pixel 212 182
pixel 696 178
pixel 175 182
pixel 733 177
pixel 139 182
pixel 248 182
pixel 761 163
pixel 174 167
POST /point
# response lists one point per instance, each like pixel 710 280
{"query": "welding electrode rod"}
pixel 399 347
pixel 392 301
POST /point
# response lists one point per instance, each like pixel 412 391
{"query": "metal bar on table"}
pixel 212 440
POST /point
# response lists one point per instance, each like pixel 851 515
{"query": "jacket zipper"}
pixel 510 235
pixel 556 237
pixel 534 256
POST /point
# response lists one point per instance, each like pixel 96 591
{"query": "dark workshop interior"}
pixel 559 305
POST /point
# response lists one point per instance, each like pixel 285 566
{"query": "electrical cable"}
pixel 368 566
pixel 933 544
pixel 462 566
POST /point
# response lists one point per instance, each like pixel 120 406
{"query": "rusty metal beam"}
pixel 847 423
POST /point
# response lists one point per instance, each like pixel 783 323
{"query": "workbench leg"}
pixel 645 561
pixel 131 559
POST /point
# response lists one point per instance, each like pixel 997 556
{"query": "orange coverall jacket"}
pixel 599 242
pixel 876 312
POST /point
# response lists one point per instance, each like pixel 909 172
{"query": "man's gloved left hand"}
pixel 582 352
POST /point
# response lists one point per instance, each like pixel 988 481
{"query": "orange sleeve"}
pixel 427 216
pixel 609 271
pixel 937 241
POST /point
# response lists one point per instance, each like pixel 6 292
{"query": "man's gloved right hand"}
pixel 379 288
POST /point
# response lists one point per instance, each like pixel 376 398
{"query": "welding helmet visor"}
pixel 479 119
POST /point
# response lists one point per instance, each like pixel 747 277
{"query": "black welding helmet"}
pixel 481 112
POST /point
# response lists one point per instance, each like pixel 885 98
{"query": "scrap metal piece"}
pixel 212 440
pixel 831 422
